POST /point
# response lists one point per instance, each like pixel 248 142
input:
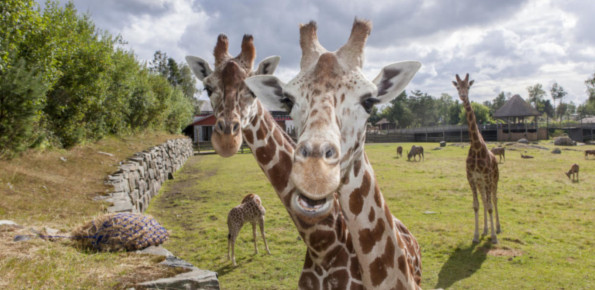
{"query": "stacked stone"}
pixel 140 177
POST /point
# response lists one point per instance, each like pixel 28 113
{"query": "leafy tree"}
pixel 557 92
pixel 536 95
pixel 21 97
pixel 482 114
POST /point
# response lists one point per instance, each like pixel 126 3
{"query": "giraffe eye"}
pixel 209 90
pixel 287 102
pixel 368 102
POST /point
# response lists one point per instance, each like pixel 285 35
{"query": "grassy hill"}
pixel 547 221
pixel 55 188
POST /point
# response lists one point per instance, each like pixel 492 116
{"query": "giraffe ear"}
pixel 393 79
pixel 199 67
pixel 455 83
pixel 268 89
pixel 268 65
pixel 471 83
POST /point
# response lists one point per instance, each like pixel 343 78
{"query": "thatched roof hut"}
pixel 516 107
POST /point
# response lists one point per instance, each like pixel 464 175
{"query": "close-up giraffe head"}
pixel 330 101
pixel 232 102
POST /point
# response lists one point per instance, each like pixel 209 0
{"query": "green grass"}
pixel 547 221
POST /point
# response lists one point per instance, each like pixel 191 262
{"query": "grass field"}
pixel 547 221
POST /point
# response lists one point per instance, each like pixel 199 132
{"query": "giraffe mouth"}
pixel 311 207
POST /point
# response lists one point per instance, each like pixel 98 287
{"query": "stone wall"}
pixel 140 177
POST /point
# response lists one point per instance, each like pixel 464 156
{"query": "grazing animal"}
pixel 252 211
pixel 400 151
pixel 482 167
pixel 526 156
pixel 415 151
pixel 499 151
pixel 573 172
pixel 330 101
pixel 589 152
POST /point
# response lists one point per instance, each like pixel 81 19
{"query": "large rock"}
pixel 523 140
pixel 564 141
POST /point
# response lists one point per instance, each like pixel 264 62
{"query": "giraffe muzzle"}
pixel 227 138
pixel 311 208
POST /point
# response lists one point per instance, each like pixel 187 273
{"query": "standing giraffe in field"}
pixel 330 101
pixel 331 261
pixel 482 167
pixel 252 211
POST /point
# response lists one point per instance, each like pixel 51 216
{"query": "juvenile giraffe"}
pixel 482 167
pixel 330 101
pixel 573 172
pixel 331 261
pixel 252 211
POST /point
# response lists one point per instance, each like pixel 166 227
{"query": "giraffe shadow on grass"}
pixel 462 263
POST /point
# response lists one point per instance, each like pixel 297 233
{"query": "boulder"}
pixel 564 141
pixel 442 143
pixel 523 141
pixel 556 151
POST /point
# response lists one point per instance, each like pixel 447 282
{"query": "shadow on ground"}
pixel 462 263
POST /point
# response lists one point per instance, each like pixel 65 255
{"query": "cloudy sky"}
pixel 505 45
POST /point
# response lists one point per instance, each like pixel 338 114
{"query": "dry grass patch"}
pixel 55 188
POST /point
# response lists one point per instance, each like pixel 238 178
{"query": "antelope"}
pixel 499 151
pixel 587 152
pixel 572 172
pixel 400 151
pixel 415 150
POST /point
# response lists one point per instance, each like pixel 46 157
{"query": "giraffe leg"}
pixel 261 224
pixel 232 242
pixel 495 195
pixel 485 212
pixel 490 210
pixel 475 209
pixel 254 237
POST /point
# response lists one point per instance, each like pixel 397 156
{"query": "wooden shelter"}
pixel 516 112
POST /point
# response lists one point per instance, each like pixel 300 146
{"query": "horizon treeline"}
pixel 419 109
pixel 63 81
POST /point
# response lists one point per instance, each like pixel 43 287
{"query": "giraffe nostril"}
pixel 220 126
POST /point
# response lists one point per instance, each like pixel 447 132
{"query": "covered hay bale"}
pixel 120 231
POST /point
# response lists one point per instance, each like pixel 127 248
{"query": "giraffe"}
pixel 400 151
pixel 482 167
pixel 250 210
pixel 330 262
pixel 330 101
pixel 573 172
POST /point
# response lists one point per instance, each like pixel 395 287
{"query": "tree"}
pixel 536 94
pixel 21 96
pixel 482 114
pixel 557 92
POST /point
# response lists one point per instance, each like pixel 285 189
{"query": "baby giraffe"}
pixel 250 210
pixel 572 172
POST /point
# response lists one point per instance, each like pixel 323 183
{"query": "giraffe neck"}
pixel 329 255
pixel 474 134
pixel 379 246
